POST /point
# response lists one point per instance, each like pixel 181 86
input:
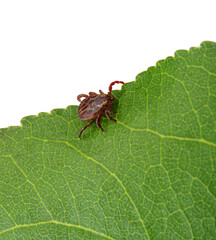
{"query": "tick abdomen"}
pixel 91 107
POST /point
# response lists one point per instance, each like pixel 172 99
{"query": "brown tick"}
pixel 94 105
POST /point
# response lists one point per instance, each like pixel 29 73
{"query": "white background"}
pixel 51 51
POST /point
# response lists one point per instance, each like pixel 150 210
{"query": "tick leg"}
pixel 101 92
pixel 98 121
pixel 81 95
pixel 92 94
pixel 80 133
pixel 107 114
pixel 109 111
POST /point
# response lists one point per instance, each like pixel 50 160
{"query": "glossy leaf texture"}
pixel 151 175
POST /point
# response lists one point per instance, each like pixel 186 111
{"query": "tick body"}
pixel 93 106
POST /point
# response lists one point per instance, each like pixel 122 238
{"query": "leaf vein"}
pixel 201 140
pixel 58 223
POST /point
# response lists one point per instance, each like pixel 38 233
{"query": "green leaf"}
pixel 151 175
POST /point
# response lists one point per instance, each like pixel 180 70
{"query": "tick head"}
pixel 111 98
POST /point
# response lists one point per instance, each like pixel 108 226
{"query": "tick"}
pixel 94 105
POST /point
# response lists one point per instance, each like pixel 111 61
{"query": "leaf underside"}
pixel 151 175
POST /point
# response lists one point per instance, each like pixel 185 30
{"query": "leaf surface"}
pixel 151 175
